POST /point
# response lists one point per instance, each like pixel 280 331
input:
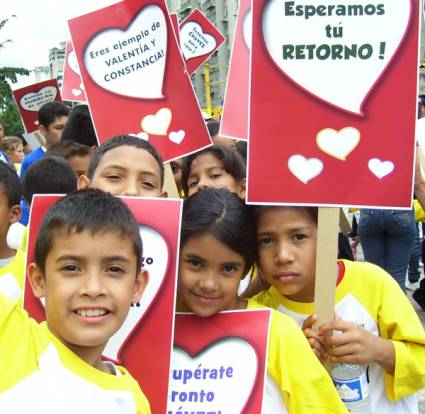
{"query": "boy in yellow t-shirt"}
pixel 12 262
pixel 88 270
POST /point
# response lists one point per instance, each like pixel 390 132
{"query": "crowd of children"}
pixel 88 269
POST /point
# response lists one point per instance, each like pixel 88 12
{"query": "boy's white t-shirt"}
pixel 40 375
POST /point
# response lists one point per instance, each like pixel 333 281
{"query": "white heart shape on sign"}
pixel 177 136
pixel 155 252
pixel 157 124
pixel 247 28
pixel 73 63
pixel 131 62
pixel 321 52
pixel 76 92
pixel 194 42
pixel 305 169
pixel 230 394
pixel 33 101
pixel 338 144
pixel 380 168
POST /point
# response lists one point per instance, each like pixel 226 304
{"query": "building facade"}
pixel 56 62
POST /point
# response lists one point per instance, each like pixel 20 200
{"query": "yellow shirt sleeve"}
pixel 305 384
pixel 398 322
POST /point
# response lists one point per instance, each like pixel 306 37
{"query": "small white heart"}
pixel 76 92
pixel 338 144
pixel 305 169
pixel 177 136
pixel 380 168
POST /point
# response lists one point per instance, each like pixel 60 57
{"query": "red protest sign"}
pixel 72 85
pixel 231 350
pixel 234 118
pixel 199 39
pixel 333 103
pixel 175 22
pixel 139 344
pixel 135 77
pixel 31 98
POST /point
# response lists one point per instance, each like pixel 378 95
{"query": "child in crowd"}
pixel 77 155
pixel 213 127
pixel 79 127
pixel 12 262
pixel 88 269
pixel 127 166
pixel 217 249
pixel 216 167
pixel 14 149
pixel 378 326
pixel 52 117
pixel 50 175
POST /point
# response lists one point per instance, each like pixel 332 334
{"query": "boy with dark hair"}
pixel 76 154
pixel 79 127
pixel 52 118
pixel 12 262
pixel 50 175
pixel 88 269
pixel 125 165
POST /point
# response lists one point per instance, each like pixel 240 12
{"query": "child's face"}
pixel 287 251
pixel 209 276
pixel 207 171
pixel 80 164
pixel 128 171
pixel 89 283
pixel 53 132
pixel 17 155
pixel 8 215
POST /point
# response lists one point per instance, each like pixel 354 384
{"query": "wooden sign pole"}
pixel 326 264
pixel 169 183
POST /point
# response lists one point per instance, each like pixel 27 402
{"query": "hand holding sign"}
pixel 320 46
pixel 131 62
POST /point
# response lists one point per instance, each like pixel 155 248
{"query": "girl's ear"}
pixel 14 214
pixel 242 188
pixel 37 280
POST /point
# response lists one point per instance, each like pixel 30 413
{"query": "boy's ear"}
pixel 242 190
pixel 140 285
pixel 83 182
pixel 14 214
pixel 37 280
pixel 43 130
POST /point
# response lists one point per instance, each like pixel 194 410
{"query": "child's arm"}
pixel 356 345
pixel 398 325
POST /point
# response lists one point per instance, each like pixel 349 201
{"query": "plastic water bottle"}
pixel 352 386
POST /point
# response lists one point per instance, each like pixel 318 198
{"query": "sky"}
pixel 39 25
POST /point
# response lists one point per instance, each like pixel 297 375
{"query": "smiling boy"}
pixel 88 270
pixel 126 166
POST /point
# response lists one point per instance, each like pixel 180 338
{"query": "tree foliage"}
pixel 8 75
